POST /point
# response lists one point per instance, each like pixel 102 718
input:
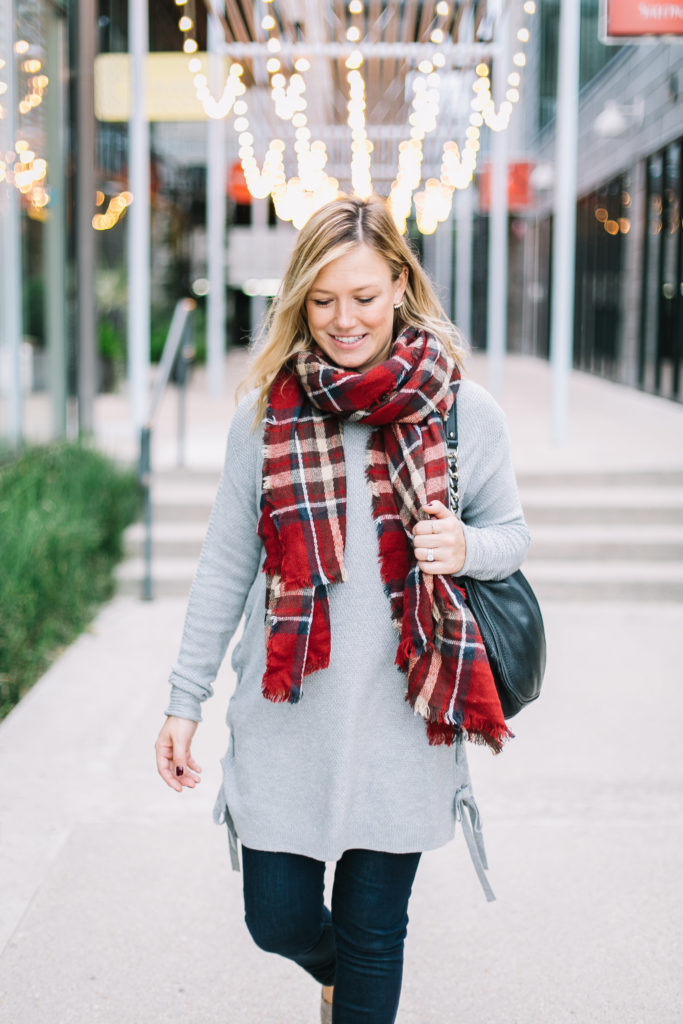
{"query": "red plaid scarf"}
pixel 303 528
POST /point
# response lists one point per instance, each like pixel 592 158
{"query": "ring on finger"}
pixel 430 554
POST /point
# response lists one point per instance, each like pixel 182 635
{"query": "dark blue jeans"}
pixel 358 946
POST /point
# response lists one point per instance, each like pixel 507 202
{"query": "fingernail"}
pixel 179 770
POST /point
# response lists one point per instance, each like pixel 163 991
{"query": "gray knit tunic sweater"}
pixel 349 766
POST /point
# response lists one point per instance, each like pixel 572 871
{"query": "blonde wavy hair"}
pixel 331 232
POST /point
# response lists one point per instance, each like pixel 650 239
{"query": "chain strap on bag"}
pixel 507 613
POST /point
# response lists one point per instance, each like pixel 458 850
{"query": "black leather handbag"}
pixel 507 613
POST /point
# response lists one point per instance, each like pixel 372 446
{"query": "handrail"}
pixel 179 351
pixel 176 333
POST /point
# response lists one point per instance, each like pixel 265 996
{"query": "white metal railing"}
pixel 178 351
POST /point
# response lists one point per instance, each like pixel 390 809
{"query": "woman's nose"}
pixel 344 314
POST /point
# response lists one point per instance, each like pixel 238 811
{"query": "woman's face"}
pixel 350 308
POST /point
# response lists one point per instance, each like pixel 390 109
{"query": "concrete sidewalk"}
pixel 117 903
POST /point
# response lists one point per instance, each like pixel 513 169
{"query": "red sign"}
pixel 628 19
pixel 520 192
pixel 237 185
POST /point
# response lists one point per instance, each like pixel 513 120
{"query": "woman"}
pixel 331 517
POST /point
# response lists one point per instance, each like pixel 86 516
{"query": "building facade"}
pixel 629 270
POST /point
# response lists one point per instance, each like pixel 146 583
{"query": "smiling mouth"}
pixel 348 339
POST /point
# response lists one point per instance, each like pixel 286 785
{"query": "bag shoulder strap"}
pixel 452 444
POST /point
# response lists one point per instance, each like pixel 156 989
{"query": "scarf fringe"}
pixel 442 729
pixel 277 690
pixel 479 732
pixel 482 732
pixel 406 651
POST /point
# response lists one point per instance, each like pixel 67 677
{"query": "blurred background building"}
pixel 245 115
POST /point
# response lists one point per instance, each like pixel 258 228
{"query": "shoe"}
pixel 325 1012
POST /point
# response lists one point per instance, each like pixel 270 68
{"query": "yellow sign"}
pixel 171 94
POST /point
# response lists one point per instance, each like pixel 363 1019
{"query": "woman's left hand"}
pixel 442 535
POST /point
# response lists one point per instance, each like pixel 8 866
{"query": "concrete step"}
pixel 595 505
pixel 622 479
pixel 606 552
pixel 527 481
pixel 598 537
pixel 561 591
pixel 598 580
pixel 602 497
pixel 594 571
pixel 169 539
pixel 191 502
pixel 171 577
pixel 202 477
pixel 607 543
pixel 618 543
pixel 567 515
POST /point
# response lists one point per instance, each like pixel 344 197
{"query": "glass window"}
pixel 661 349
pixel 593 56
pixel 602 223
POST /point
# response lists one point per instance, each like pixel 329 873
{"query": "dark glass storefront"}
pixel 628 298
pixel 602 224
pixel 660 350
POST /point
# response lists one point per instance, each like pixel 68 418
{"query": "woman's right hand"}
pixel 175 763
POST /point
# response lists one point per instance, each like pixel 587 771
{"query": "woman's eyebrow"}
pixel 360 288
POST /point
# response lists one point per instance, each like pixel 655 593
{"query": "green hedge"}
pixel 63 510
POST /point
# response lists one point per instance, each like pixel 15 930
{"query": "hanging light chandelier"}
pixel 296 198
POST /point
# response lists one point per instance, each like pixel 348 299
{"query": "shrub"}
pixel 63 510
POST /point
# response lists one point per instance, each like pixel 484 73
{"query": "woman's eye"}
pixel 321 302
pixel 365 301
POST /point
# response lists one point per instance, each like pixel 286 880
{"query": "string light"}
pixel 22 167
pixel 423 120
pixel 116 208
pixel 296 198
pixel 432 206
pixel 361 146
pixel 233 87
pixel 498 120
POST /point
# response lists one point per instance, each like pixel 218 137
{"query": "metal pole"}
pixel 497 290
pixel 464 208
pixel 182 386
pixel 85 236
pixel 138 216
pixel 144 476
pixel 258 305
pixel 55 228
pixel 185 357
pixel 215 215
pixel 443 263
pixel 564 238
pixel 10 240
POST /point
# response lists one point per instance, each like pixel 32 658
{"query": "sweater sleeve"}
pixel 227 567
pixel 496 535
